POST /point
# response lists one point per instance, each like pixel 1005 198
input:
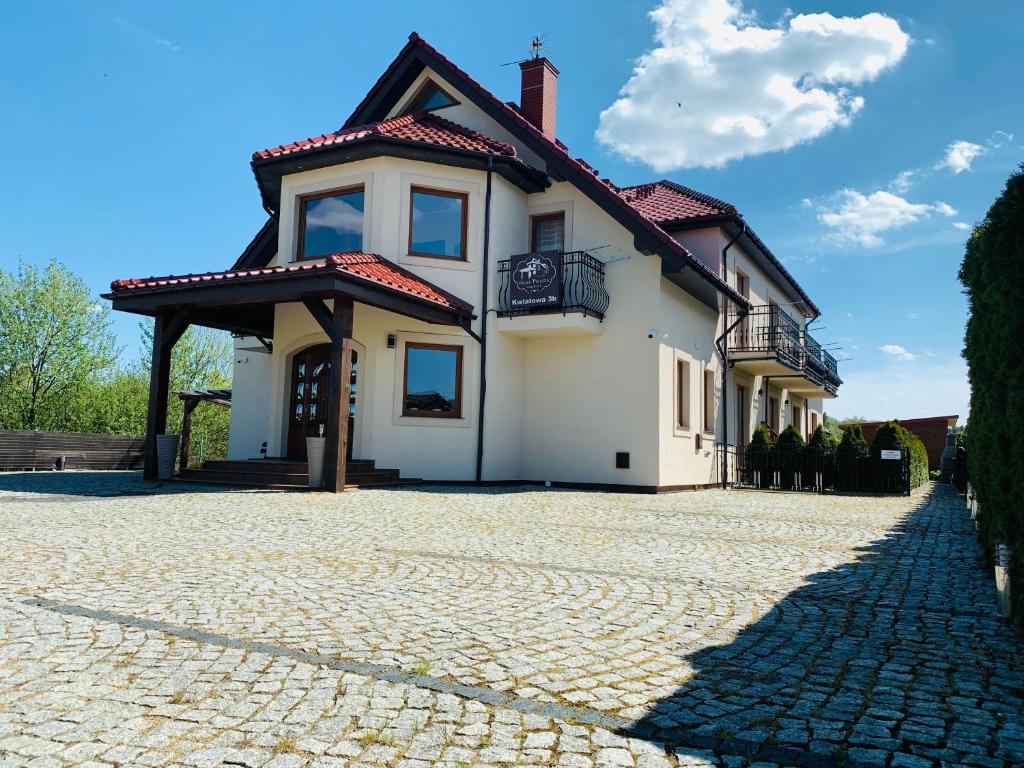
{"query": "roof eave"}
pixel 268 169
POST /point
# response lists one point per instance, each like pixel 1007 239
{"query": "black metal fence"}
pixel 583 288
pixel 805 468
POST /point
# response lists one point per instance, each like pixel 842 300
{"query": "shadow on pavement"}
pixel 897 658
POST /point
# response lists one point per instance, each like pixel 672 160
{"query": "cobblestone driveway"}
pixel 412 628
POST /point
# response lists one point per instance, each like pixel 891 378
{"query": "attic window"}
pixel 428 98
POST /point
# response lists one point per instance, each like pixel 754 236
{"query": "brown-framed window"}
pixel 428 97
pixel 432 382
pixel 742 284
pixel 709 400
pixel 682 394
pixel 437 223
pixel 798 419
pixel 331 222
pixel 547 232
pixel 773 413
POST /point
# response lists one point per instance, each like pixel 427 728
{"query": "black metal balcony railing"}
pixel 769 330
pixel 583 290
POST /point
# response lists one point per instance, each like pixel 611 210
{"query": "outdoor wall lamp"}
pixel 391 341
pixel 787 401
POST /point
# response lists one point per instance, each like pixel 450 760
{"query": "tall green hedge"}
pixel 892 435
pixel 993 275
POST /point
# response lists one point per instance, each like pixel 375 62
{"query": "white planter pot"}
pixel 315 449
pixel 166 453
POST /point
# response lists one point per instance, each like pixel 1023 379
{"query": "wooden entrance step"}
pixel 286 473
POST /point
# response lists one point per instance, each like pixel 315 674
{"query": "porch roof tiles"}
pixel 368 267
pixel 418 126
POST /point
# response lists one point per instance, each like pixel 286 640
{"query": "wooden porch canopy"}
pixel 243 302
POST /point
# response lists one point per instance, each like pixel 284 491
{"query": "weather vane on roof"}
pixel 537 45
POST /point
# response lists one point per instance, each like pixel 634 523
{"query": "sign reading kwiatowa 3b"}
pixel 536 281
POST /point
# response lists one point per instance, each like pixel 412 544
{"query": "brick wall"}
pixel 931 431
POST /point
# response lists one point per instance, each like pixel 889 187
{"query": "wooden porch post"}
pixel 189 405
pixel 167 329
pixel 337 324
pixel 337 414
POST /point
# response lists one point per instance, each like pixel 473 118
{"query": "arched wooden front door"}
pixel 309 406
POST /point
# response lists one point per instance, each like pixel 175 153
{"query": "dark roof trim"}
pixel 261 249
pixel 734 224
pixel 269 171
pixel 417 54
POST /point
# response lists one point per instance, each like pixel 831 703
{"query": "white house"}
pixel 499 312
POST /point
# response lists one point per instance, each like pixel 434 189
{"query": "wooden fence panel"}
pixel 24 450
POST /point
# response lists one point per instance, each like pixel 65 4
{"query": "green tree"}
pixel 992 273
pixel 54 340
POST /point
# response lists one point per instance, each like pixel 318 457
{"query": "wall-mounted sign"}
pixel 536 281
pixel 892 455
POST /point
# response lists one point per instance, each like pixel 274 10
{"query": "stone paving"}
pixel 155 626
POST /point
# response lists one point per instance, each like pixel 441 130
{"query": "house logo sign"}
pixel 536 281
pixel 534 275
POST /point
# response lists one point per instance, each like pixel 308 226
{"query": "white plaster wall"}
pixel 587 397
pixel 686 331
pixel 250 389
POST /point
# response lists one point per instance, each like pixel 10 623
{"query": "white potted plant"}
pixel 166 453
pixel 315 448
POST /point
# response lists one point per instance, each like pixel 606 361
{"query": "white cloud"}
pixel 718 86
pixel 936 387
pixel 898 352
pixel 912 316
pixel 902 181
pixel 859 219
pixel 962 225
pixel 959 156
pixel 165 43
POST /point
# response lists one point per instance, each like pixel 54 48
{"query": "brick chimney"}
pixel 538 102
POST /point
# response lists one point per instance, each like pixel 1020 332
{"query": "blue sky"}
pixel 129 128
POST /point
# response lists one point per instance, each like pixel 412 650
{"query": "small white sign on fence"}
pixel 897 455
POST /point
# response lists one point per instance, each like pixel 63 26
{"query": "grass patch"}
pixel 284 744
pixel 419 669
pixel 178 698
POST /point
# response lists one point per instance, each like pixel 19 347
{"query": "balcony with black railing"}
pixel 767 341
pixel 766 332
pixel 552 283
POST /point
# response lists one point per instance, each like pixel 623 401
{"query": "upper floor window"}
pixel 430 96
pixel 548 232
pixel 331 222
pixel 437 223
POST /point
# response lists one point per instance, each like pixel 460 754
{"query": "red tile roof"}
pixel 418 126
pixel 367 267
pixel 591 176
pixel 664 201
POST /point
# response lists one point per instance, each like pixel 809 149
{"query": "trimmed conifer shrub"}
pixel 762 436
pixel 892 436
pixel 992 274
pixel 790 437
pixel 824 440
pixel 853 442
